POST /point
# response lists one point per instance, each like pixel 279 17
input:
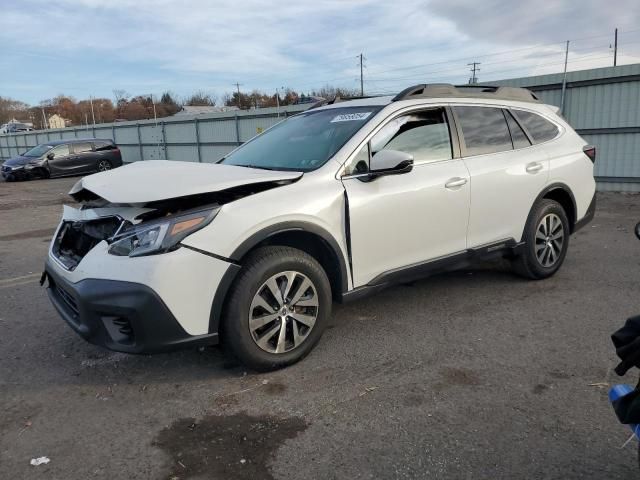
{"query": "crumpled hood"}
pixel 19 160
pixel 154 180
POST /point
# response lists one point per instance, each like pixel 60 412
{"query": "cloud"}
pixel 530 22
pixel 93 46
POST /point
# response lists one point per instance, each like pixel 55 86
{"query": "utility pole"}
pixel 278 100
pixel 361 77
pixel 45 124
pixel 155 115
pixel 564 78
pixel 92 114
pixel 238 87
pixel 474 68
pixel 615 48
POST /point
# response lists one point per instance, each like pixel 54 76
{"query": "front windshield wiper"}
pixel 260 167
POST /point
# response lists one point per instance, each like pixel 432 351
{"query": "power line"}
pixel 459 68
pixel 461 71
pixel 502 52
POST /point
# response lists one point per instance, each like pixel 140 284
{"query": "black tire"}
pixel 528 264
pixel 260 266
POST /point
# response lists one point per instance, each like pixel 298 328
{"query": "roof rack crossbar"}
pixel 434 90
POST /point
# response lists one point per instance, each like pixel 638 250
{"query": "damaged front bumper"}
pixel 122 316
pixel 139 305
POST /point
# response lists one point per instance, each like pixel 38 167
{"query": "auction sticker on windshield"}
pixel 349 117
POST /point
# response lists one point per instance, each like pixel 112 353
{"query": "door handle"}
pixel 455 182
pixel 534 167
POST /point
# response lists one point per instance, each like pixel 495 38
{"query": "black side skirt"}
pixel 425 269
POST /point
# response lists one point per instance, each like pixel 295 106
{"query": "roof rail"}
pixel 338 99
pixel 434 90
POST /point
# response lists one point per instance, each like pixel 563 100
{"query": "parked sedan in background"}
pixel 64 158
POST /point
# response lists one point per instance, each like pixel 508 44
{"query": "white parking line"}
pixel 18 281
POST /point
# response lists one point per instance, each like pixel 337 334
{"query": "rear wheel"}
pixel 104 165
pixel 277 309
pixel 546 238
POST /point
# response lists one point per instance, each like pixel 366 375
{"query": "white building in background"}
pixel 56 121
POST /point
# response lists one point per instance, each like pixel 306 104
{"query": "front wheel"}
pixel 546 238
pixel 277 308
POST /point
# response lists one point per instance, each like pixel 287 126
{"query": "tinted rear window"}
pixel 518 137
pixel 540 129
pixel 484 130
pixel 81 147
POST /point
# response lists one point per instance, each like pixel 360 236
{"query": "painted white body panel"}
pixel 185 280
pixel 317 199
pixel 400 220
pixel 502 193
pixel 153 180
pixel 572 169
pixel 395 221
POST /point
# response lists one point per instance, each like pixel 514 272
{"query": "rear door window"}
pixel 102 146
pixel 539 129
pixel 82 147
pixel 484 130
pixel 518 137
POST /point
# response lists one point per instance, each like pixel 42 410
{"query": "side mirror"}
pixel 638 230
pixel 390 162
pixel 50 156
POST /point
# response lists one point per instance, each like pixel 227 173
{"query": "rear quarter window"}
pixel 103 146
pixel 540 129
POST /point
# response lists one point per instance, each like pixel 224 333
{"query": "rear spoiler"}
pixel 555 109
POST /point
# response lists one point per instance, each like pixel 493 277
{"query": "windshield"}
pixel 304 142
pixel 38 151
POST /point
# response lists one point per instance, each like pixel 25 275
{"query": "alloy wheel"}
pixel 549 240
pixel 283 312
pixel 103 166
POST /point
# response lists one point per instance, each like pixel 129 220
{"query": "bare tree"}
pixel 200 98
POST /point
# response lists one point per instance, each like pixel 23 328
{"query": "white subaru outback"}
pixel 329 205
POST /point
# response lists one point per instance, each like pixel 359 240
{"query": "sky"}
pixel 86 48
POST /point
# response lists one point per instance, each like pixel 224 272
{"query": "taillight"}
pixel 590 151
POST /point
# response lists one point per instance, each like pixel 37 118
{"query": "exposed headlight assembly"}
pixel 159 236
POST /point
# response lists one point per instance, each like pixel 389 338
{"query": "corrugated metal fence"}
pixel 201 138
pixel 603 105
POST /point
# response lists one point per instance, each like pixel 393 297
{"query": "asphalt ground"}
pixel 469 375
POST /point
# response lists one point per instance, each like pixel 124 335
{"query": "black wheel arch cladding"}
pixel 274 233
